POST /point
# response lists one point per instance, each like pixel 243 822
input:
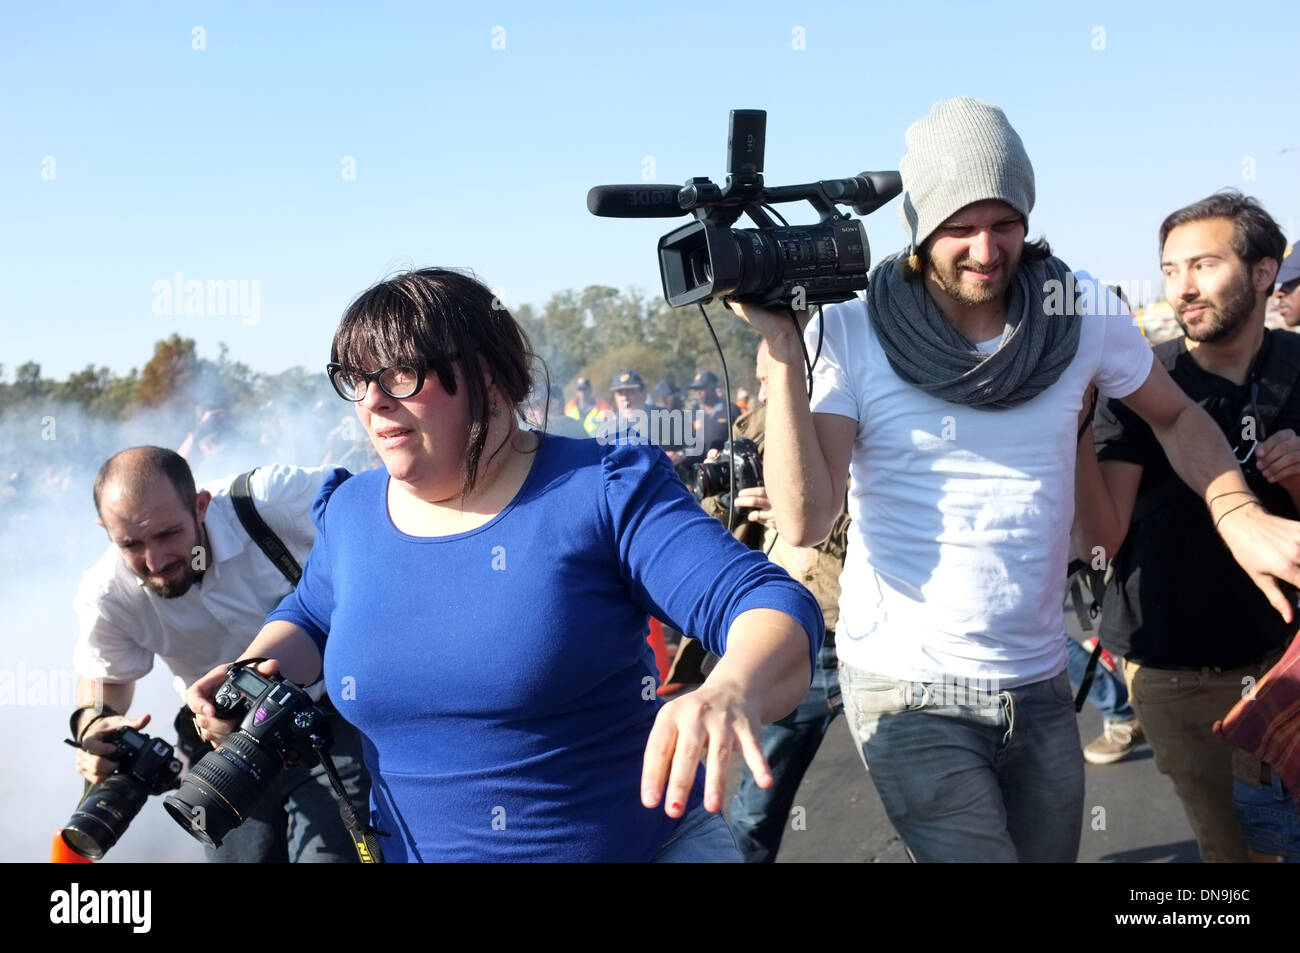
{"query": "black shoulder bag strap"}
pixel 267 541
pixel 1087 610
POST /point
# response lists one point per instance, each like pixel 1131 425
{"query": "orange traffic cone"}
pixel 61 853
pixel 656 640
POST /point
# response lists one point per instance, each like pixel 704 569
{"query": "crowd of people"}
pixel 902 561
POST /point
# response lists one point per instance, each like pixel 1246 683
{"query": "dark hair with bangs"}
pixel 1255 234
pixel 430 319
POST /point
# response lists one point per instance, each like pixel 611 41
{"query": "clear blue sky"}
pixel 225 164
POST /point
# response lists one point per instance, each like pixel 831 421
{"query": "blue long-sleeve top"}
pixel 501 677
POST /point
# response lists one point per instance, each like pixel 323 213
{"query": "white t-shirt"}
pixel 123 625
pixel 960 535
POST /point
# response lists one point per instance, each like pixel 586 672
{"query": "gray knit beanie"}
pixel 965 151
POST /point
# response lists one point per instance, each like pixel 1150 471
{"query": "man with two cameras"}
pixel 185 580
pixel 951 395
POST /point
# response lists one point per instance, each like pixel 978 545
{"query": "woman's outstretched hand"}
pixel 715 718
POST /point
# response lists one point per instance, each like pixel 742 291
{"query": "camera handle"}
pixel 364 837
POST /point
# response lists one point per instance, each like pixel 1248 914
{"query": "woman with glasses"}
pixel 481 603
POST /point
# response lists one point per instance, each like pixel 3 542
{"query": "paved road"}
pixel 1138 816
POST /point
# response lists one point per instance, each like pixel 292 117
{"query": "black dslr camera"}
pixel 717 476
pixel 281 725
pixel 792 265
pixel 145 766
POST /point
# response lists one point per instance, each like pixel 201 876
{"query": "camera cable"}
pixel 808 364
pixel 731 422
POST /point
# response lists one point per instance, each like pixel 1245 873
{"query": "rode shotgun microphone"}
pixel 635 201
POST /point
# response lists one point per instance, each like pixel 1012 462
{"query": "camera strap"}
pixel 242 496
pixel 1086 588
pixel 188 741
pixel 101 711
pixel 364 837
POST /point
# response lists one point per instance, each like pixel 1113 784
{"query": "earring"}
pixel 496 411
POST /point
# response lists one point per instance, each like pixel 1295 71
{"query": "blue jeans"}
pixel 970 775
pixel 700 838
pixel 1108 694
pixel 298 821
pixel 1269 819
pixel 758 815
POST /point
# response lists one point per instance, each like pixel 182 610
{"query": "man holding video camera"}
pixel 185 580
pixel 952 395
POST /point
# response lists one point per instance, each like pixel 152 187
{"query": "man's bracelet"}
pixel 102 710
pixel 1219 496
pixel 1233 510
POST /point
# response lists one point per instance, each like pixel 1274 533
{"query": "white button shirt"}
pixel 123 625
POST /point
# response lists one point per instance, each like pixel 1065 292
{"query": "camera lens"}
pixel 701 270
pixel 104 815
pixel 711 477
pixel 224 788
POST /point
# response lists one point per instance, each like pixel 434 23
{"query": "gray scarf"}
pixel 929 353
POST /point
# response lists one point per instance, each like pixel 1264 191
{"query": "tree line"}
pixel 594 333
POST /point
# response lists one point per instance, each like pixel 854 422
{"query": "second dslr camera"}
pixel 717 476
pixel 145 766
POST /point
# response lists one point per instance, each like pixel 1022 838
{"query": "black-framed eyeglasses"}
pixel 398 381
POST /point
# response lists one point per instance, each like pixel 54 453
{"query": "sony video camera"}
pixel 280 726
pixel 145 766
pixel 789 265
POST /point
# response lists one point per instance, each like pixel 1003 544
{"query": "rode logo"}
pixel 649 197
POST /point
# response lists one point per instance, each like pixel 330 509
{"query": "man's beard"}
pixel 983 292
pixel 1220 321
pixel 182 584
pixel 175 588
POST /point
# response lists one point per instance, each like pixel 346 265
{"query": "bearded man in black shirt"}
pixel 1194 631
